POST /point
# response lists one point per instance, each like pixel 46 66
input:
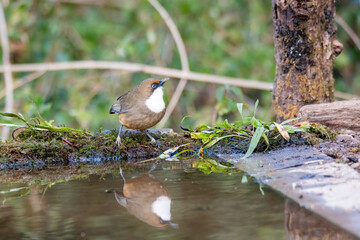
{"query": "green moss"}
pixel 322 132
pixel 42 144
pixel 32 147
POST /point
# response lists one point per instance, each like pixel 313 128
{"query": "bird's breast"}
pixel 155 102
pixel 140 119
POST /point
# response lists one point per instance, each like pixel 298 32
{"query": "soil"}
pixel 345 148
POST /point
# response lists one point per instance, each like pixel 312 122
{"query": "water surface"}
pixel 215 206
pixel 204 206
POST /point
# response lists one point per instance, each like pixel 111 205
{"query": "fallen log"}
pixel 337 115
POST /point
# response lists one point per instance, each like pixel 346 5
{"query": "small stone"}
pixel 345 159
pixel 353 159
pixel 348 132
pixel 355 165
pixel 345 138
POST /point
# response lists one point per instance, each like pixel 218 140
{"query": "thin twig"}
pixel 90 2
pixel 160 71
pixel 348 30
pixel 342 95
pixel 136 67
pixel 9 100
pixel 22 81
pixel 183 58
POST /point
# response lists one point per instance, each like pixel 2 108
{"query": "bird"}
pixel 148 199
pixel 141 108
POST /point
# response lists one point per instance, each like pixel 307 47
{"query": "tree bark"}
pixel 305 49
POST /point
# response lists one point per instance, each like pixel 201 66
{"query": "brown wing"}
pixel 121 105
pixel 145 187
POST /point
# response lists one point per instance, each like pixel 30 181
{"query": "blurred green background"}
pixel 230 37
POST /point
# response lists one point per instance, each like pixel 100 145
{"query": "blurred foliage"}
pixel 231 38
pixel 347 64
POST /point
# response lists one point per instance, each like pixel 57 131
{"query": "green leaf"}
pixel 199 135
pixel 202 127
pixel 177 155
pixel 212 142
pixel 181 124
pixel 237 92
pixel 9 125
pixel 254 141
pixel 203 166
pixel 13 115
pixel 244 179
pixel 255 107
pixel 289 120
pixel 240 108
pixel 168 153
pixel 292 129
pixel 261 189
pixel 256 122
pixel 225 124
pixel 220 93
pixel 266 139
pixel 208 166
pixel 247 120
pixel 16 192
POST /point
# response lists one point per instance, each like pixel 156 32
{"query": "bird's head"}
pixel 149 86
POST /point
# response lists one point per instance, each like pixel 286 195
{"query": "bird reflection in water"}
pixel 148 199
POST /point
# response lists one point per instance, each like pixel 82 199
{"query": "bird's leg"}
pixel 121 174
pixel 153 141
pixel 118 139
pixel 153 167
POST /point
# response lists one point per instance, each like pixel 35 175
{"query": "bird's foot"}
pixel 153 141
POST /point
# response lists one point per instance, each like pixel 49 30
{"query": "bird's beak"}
pixel 171 224
pixel 162 81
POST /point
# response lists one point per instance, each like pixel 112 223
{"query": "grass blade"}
pixel 12 115
pixel 254 141
pixel 289 120
pixel 256 105
pixel 212 142
pixel 240 108
pixel 9 125
pixel 168 153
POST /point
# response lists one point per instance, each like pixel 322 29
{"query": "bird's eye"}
pixel 154 85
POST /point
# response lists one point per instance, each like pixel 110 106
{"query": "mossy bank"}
pixel 40 149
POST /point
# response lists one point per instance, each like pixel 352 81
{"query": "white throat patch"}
pixel 156 102
pixel 161 207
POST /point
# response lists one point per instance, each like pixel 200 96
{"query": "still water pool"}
pixel 215 206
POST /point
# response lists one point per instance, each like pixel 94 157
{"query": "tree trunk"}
pixel 303 224
pixel 305 49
